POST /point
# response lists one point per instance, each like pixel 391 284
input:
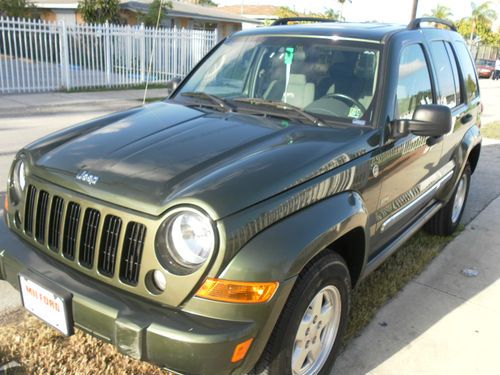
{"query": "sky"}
pixel 391 11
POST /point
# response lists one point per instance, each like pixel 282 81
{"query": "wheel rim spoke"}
pixel 459 200
pixel 316 332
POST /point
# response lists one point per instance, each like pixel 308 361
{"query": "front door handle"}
pixel 466 118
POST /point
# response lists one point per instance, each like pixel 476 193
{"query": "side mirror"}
pixel 172 84
pixel 429 120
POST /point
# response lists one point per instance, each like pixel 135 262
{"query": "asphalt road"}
pixel 16 131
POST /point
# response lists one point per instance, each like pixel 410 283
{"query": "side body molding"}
pixel 281 251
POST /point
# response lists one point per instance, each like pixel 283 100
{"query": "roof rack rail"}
pixel 285 21
pixel 415 24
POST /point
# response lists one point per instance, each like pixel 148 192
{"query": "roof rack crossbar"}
pixel 415 24
pixel 285 21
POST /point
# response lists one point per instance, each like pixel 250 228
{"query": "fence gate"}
pixel 37 56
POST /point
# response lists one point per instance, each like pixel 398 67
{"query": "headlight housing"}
pixel 186 240
pixel 18 179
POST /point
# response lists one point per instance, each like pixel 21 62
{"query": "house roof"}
pixel 179 9
pixel 182 9
pixel 261 11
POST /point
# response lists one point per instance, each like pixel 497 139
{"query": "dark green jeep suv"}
pixel 222 229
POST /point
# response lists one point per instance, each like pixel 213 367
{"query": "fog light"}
pixel 159 280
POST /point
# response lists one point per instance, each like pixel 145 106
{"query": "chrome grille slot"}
pixel 29 210
pixel 132 253
pixel 95 239
pixel 71 230
pixel 89 237
pixel 55 220
pixel 41 216
pixel 109 245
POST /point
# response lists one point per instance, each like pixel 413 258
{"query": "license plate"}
pixel 43 302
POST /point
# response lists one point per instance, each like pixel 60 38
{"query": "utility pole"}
pixel 414 10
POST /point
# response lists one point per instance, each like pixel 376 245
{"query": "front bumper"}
pixel 177 340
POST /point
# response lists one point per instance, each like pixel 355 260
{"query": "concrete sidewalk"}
pixel 443 322
pixel 17 105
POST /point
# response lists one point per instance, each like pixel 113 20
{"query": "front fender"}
pixel 282 250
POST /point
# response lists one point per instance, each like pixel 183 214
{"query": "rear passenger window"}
pixel 414 83
pixel 448 93
pixel 468 70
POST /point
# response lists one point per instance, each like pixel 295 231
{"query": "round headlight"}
pixel 21 174
pixel 19 178
pixel 190 238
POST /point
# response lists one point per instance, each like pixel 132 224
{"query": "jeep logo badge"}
pixel 85 176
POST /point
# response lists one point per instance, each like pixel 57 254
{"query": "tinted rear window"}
pixel 448 90
pixel 468 70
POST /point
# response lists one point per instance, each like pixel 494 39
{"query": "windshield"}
pixel 486 62
pixel 324 77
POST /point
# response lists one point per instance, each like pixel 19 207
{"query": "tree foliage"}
pixel 157 7
pixel 99 11
pixel 207 3
pixel 18 8
pixel 286 12
pixel 479 25
pixel 441 11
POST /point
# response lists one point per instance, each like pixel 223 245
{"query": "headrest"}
pixel 299 56
pixel 297 79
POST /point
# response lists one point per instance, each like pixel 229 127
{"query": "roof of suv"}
pixel 367 31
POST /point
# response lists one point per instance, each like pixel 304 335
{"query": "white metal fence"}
pixel 40 56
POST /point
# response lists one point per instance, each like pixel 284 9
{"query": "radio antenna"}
pixel 153 49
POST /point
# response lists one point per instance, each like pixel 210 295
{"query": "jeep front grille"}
pixel 132 253
pixel 71 230
pixel 109 245
pixel 89 236
pixel 56 213
pixel 41 215
pixel 29 210
pixel 81 233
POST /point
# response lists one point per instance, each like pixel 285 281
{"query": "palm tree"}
pixel 441 11
pixel 341 11
pixel 483 14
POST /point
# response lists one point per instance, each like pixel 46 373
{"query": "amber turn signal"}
pixel 241 350
pixel 237 291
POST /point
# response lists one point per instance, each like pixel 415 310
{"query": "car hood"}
pixel 164 154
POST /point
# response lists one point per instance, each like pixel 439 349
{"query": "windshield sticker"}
pixel 359 122
pixel 355 112
pixel 289 51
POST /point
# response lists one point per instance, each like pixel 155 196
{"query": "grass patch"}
pixel 491 130
pixel 41 350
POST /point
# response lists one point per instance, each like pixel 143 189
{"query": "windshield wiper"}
pixel 219 102
pixel 284 106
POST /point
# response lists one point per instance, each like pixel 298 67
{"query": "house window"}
pixel 208 26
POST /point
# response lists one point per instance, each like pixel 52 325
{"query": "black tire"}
pixel 443 223
pixel 328 270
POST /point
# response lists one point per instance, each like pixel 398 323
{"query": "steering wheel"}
pixel 348 99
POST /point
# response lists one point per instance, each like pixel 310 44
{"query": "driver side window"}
pixel 414 83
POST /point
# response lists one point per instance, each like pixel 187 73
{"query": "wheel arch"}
pixel 283 250
pixel 473 157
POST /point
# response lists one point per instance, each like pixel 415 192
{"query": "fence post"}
pixel 64 47
pixel 143 53
pixel 107 47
